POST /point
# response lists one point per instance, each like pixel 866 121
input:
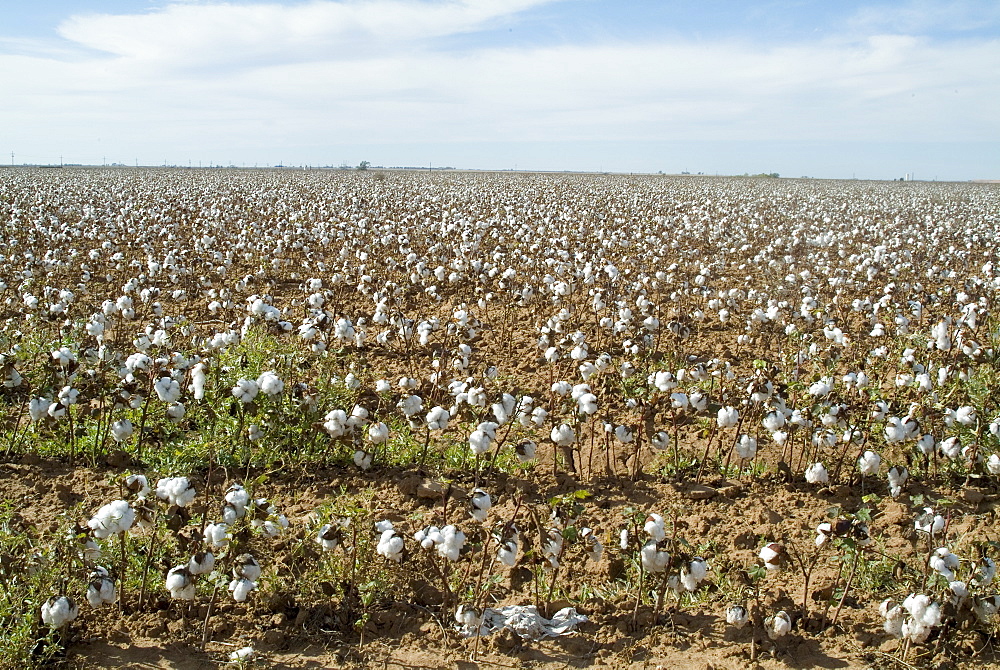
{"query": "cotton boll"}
pixel 363 459
pixel 238 497
pixel 728 417
pixel 507 552
pixel 58 611
pixel 778 625
pixel 655 527
pixel 737 616
pixel 201 563
pixel 773 555
pixel 113 518
pixel 660 440
pixel 817 474
pixel 928 522
pixel 653 560
pixel 247 567
pixel 217 535
pixel 101 588
pixel 480 503
pixel 526 451
pixel 869 463
pixel 693 573
pixel 897 479
pixel 270 384
pixel 241 588
pixel 390 546
pixel 175 490
pixel 137 484
pixel 180 583
pixel 378 433
pixel 746 447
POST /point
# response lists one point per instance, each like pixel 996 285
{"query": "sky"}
pixel 822 89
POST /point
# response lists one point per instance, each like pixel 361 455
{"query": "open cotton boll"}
pixel 167 389
pixel 58 611
pixel 363 459
pixel 438 418
pixel 245 390
pixel 525 451
pixel 241 588
pixel 817 474
pixel 944 563
pixel 175 490
pixel 653 560
pixel 217 535
pixel 654 526
pixel 660 440
pixel 238 497
pixel 201 563
pixel 242 655
pixel 330 536
pixel 869 463
pixel 101 588
pixel 727 417
pixel 390 545
pixel 115 517
pixel 928 522
pixel 507 552
pixel 746 447
pixel 480 503
pixel 451 543
pixel 563 435
pixel 772 555
pixel 270 384
pixel 378 433
pixel 737 616
pixel 778 625
pixel 137 484
pixel 897 479
pixel 180 583
pixel 693 573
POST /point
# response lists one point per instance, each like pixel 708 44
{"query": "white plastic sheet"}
pixel 526 622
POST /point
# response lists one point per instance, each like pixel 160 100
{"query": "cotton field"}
pixel 359 417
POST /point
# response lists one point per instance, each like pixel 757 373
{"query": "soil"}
pixel 730 519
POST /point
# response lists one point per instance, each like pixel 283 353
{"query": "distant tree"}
pixel 364 165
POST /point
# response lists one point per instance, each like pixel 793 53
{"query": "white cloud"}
pixel 219 76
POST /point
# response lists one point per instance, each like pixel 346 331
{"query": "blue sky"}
pixel 824 89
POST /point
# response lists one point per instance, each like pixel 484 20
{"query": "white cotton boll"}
pixel 137 484
pixel 245 390
pixel 241 589
pixel 115 517
pixel 238 497
pixel 378 433
pixel 38 408
pixel 652 559
pixel 951 447
pixel 772 554
pixel 101 589
pixel 587 404
pixel 778 625
pixel 526 451
pixel 737 616
pixel 774 421
pixel 438 418
pixel 198 379
pixel 201 563
pixel 180 583
pixel 660 440
pixel 993 464
pixel 56 410
pixel 57 612
pixel 817 474
pixel 452 541
pixel 362 459
pixel 869 463
pixel 623 434
pixel 270 384
pixel 728 417
pixel 390 545
pixel 894 616
pixel 121 430
pixel 242 655
pixel 382 386
pixel 480 504
pixel 986 609
pixel 167 389
pixel 897 479
pixel 480 441
pixel 746 447
pixel 655 527
pixel 944 563
pixel 663 380
pixel 176 412
pixel 926 445
pixel 985 573
pixel 960 589
pixel 694 573
pixel 507 552
pixel 928 522
pixel 562 388
pixel 175 490
pixel 217 535
pixel 563 435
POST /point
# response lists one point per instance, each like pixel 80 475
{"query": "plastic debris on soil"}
pixel 526 622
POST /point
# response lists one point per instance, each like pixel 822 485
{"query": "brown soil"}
pixel 730 520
